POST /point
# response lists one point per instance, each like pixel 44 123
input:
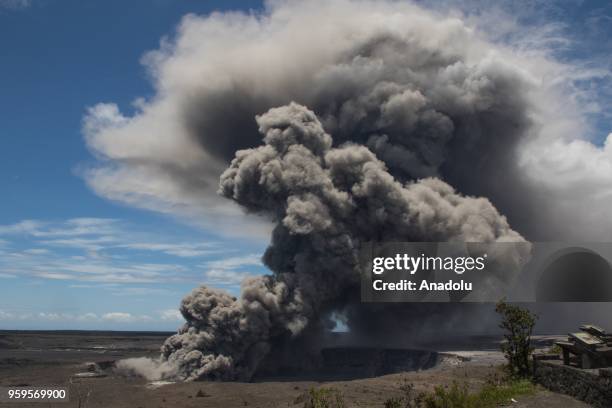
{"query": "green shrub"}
pixel 490 396
pixel 321 398
pixel 518 325
pixel 454 397
pixel 397 402
pixel 499 389
pixel 409 399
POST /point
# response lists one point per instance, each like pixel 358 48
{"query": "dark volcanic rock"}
pixel 591 386
pixel 350 363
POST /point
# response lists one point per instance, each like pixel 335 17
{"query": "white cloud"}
pixel 69 228
pixel 171 315
pixel 235 262
pixel 106 272
pixel 54 316
pixel 123 317
pixel 95 234
pixel 15 4
pixel 118 316
pixel 88 317
pixel 53 275
pixel 102 251
pixel 36 251
pixel 22 227
pixel 45 316
pixel 114 317
pixel 230 271
pixel 226 276
pixel 140 291
pixel 152 189
pixel 112 135
pixel 90 244
pixel 6 315
pixel 184 250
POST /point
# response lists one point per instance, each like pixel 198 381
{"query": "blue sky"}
pixel 59 242
pixel 71 259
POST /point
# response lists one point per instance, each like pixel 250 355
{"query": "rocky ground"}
pixel 46 359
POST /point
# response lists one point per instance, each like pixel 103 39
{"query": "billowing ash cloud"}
pixel 424 92
pixel 326 202
pixel 416 103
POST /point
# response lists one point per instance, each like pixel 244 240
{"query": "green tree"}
pixel 518 325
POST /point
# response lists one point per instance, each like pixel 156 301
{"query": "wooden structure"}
pixel 592 347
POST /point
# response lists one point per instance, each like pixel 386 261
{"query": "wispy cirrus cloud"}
pixel 90 244
pixel 101 233
pixel 15 4
pixel 131 275
pixel 186 250
pixel 36 251
pixel 21 227
pixel 109 251
pixel 69 228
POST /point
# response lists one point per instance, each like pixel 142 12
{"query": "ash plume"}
pixel 427 93
pixel 325 202
pixel 381 121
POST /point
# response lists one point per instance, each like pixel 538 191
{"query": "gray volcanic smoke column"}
pixel 325 203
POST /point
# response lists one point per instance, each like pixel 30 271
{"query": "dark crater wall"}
pixel 348 363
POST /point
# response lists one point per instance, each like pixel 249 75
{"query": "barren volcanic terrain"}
pixel 83 362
